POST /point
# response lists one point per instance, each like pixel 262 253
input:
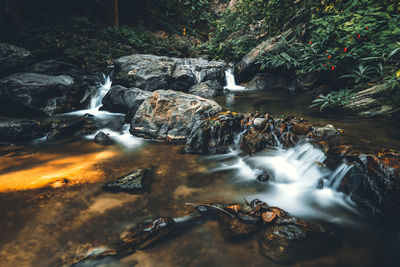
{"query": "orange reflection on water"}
pixel 51 170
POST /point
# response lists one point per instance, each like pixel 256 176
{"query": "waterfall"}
pixel 230 81
pixel 299 182
pixel 96 101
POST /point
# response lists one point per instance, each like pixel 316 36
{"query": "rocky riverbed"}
pixel 149 162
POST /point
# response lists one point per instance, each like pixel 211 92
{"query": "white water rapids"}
pixel 299 183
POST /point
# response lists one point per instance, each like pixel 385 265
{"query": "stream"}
pixel 53 207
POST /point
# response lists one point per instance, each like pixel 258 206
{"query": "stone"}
pixel 170 115
pixel 207 89
pixel 103 139
pixel 292 242
pixel 145 234
pixel 325 132
pixel 214 134
pixel 234 229
pixel 53 67
pixel 12 58
pixel 254 141
pixel 151 73
pixel 63 129
pixel 41 93
pixel 248 67
pixel 136 182
pixel 124 100
pixel 18 130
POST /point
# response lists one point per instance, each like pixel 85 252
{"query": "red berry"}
pixel 333 67
pixel 345 49
pixel 358 36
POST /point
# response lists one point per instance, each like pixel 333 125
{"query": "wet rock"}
pixel 260 123
pixel 214 134
pixel 248 67
pixel 39 92
pixel 124 100
pixel 170 115
pixel 150 73
pixel 14 129
pixel 289 243
pixel 103 139
pixel 234 229
pixel 12 58
pixel 254 141
pixel 288 139
pixel 374 184
pixel 207 89
pixel 264 177
pixel 64 129
pixel 328 131
pixel 145 234
pixel 136 182
pixel 302 128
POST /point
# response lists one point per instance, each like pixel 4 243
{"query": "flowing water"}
pixel 53 208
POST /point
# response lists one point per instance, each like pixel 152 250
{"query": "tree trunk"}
pixel 116 14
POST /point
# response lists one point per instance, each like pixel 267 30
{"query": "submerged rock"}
pixel 12 58
pixel 289 243
pixel 145 234
pixel 170 115
pixel 150 72
pixel 14 129
pixel 64 129
pixel 103 139
pixel 136 182
pixel 124 100
pixel 39 92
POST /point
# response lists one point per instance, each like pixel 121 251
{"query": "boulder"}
pixel 53 67
pixel 151 73
pixel 63 129
pixel 124 100
pixel 325 132
pixel 254 141
pixel 39 92
pixel 248 67
pixel 136 182
pixel 292 242
pixel 14 130
pixel 12 58
pixel 207 89
pixel 171 115
pixel 103 139
pixel 214 134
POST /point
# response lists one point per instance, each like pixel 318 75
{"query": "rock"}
pixel 234 229
pixel 248 67
pixel 39 92
pixel 289 243
pixel 302 128
pixel 214 134
pixel 53 67
pixel 103 139
pixel 260 123
pixel 370 102
pixel 308 81
pixel 124 100
pixel 136 182
pixel 150 73
pixel 288 139
pixel 64 129
pixel 207 89
pixel 12 58
pixel 254 141
pixel 145 234
pixel 15 130
pixel 171 115
pixel 374 184
pixel 325 132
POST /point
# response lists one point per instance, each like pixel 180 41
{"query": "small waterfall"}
pixel 296 175
pixel 230 81
pixel 96 101
pixel 337 176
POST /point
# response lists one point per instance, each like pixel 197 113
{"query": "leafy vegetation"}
pixel 333 100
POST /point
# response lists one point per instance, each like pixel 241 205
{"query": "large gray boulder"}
pixel 207 89
pixel 39 92
pixel 248 67
pixel 171 115
pixel 12 58
pixel 150 73
pixel 124 100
